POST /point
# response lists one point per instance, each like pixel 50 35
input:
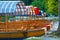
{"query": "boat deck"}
pixel 24 25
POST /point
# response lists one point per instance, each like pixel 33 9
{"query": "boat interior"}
pixel 23 25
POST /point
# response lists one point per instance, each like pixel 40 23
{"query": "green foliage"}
pixel 27 2
pixel 38 3
pixel 52 7
pixel 49 6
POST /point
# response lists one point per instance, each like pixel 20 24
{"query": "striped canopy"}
pixel 8 6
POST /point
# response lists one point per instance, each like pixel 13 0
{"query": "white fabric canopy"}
pixel 8 6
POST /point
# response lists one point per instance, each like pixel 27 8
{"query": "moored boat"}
pixel 12 28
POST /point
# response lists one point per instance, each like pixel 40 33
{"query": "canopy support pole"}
pixel 6 18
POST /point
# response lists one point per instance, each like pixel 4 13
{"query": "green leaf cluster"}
pixel 48 6
pixel 52 7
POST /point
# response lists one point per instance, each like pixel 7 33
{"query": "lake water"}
pixel 42 38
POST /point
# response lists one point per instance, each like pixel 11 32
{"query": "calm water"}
pixel 42 38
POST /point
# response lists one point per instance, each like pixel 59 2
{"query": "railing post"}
pixel 0 17
pixel 6 20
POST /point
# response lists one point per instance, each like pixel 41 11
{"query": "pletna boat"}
pixel 14 24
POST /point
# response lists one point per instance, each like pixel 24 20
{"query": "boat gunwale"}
pixel 22 31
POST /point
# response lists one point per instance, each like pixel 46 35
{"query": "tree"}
pixel 52 7
pixel 38 3
pixel 27 2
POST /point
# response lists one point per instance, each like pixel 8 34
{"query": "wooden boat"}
pixel 23 28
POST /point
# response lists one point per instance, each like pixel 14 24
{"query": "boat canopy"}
pixel 15 8
pixel 8 6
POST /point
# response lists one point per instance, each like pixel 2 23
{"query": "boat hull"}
pixel 22 34
pixel 30 28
